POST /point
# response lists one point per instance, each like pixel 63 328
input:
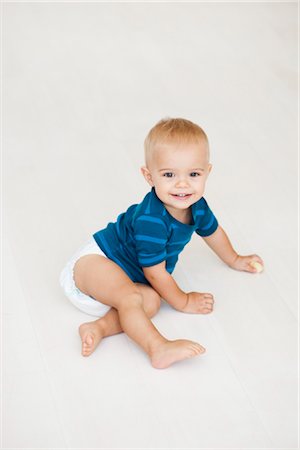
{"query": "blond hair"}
pixel 170 131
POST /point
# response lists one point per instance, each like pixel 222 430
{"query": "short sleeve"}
pixel 206 221
pixel 151 237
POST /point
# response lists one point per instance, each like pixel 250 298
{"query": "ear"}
pixel 209 167
pixel 147 175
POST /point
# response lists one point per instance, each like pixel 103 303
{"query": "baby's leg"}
pixel 105 281
pixel 92 333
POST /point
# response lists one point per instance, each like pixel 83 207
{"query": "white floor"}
pixel 82 85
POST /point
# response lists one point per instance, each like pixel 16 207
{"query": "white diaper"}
pixel 82 301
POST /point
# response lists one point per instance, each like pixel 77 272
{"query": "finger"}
pixel 250 268
pixel 257 266
pixel 257 258
pixel 209 307
pixel 209 301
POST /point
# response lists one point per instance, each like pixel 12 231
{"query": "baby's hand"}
pixel 250 263
pixel 198 303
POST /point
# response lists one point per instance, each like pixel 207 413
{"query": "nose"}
pixel 182 182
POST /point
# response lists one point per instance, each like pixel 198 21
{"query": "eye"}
pixel 168 174
pixel 195 174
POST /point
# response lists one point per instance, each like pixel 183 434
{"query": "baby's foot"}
pixel 173 351
pixel 91 334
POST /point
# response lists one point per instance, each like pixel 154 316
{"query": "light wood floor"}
pixel 82 85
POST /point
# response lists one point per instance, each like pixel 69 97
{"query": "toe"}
pixel 198 348
pixel 87 344
pixel 89 340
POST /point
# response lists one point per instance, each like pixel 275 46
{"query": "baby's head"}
pixel 177 162
pixel 173 132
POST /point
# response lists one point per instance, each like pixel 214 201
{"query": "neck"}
pixel 182 215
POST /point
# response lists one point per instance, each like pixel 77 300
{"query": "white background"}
pixel 82 84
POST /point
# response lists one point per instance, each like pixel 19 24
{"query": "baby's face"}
pixel 178 174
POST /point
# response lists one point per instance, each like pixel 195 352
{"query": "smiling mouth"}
pixel 181 196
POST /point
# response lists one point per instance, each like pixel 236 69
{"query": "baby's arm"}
pixel 221 245
pixel 166 286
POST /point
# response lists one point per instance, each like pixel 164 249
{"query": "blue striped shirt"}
pixel 146 234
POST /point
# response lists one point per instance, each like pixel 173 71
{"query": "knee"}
pixel 153 305
pixel 131 300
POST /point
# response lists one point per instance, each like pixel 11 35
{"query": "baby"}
pixel 122 273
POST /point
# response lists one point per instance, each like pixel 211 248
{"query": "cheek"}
pixel 165 183
pixel 159 181
pixel 200 185
pixel 202 181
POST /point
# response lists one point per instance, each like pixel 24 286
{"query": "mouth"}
pixel 181 196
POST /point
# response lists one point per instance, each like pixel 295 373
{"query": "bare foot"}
pixel 173 351
pixel 91 334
